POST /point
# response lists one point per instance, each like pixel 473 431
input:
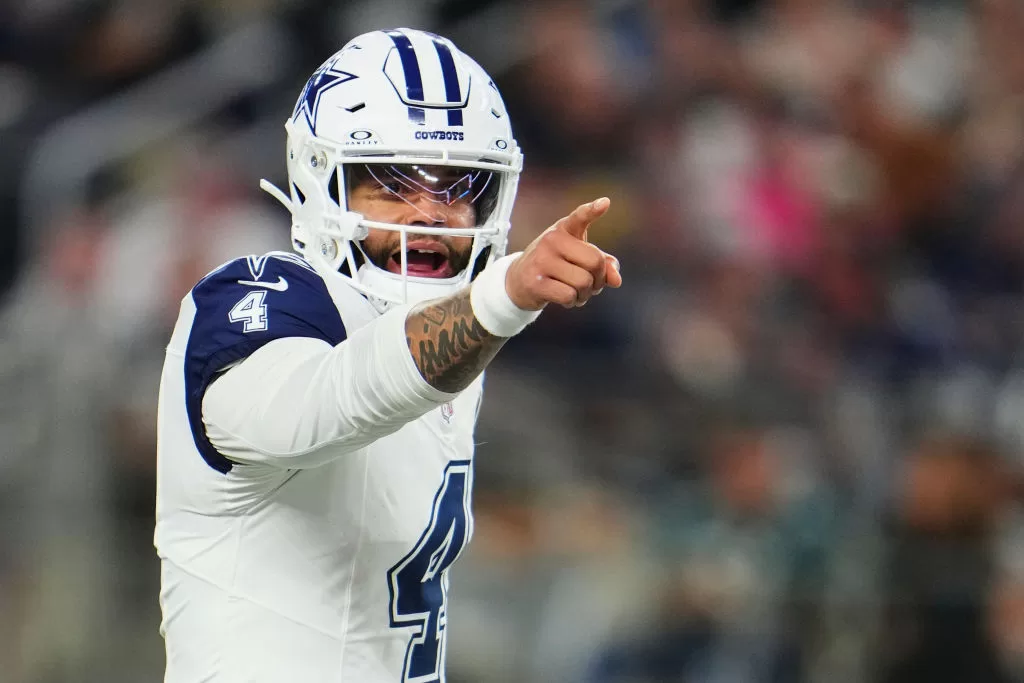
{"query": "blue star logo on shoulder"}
pixel 322 80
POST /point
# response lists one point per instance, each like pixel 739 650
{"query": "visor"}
pixel 435 192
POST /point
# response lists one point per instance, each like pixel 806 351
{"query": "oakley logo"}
pixel 362 136
pixel 280 286
pixel 440 135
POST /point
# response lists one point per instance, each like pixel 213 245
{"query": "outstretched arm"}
pixel 294 395
pixel 448 344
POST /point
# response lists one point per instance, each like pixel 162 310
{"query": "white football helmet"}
pixel 395 106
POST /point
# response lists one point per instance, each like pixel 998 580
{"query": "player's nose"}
pixel 424 210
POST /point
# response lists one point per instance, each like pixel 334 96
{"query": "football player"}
pixel 315 457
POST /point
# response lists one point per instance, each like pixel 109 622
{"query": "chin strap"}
pixel 276 192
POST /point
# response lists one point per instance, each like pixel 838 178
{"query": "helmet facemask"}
pixel 409 199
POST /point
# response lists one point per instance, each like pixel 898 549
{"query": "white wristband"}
pixel 492 305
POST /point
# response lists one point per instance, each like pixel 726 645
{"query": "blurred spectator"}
pixel 941 563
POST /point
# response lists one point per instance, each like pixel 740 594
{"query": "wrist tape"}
pixel 491 303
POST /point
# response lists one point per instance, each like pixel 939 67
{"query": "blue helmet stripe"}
pixel 452 91
pixel 413 78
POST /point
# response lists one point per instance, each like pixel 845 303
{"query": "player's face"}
pixel 433 196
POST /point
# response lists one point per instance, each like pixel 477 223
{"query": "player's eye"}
pixel 392 189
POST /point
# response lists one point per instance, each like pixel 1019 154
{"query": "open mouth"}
pixel 424 259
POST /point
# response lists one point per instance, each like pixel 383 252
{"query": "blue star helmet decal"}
pixel 322 80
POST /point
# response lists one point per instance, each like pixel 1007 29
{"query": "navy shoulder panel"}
pixel 242 306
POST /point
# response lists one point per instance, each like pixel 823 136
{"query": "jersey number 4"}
pixel 419 583
pixel 251 310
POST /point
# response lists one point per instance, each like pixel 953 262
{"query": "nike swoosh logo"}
pixel 279 286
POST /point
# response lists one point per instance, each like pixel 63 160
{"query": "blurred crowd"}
pixel 789 449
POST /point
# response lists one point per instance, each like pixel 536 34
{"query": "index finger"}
pixel 577 222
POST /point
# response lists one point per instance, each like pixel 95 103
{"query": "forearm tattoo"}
pixel 448 344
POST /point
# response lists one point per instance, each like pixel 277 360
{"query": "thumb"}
pixel 613 276
pixel 577 222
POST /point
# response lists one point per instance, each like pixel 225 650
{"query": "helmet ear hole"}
pixel 481 262
pixel 333 187
pixel 357 256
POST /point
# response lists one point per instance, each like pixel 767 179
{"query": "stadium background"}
pixel 789 449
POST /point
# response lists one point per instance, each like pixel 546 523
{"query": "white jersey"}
pixel 311 498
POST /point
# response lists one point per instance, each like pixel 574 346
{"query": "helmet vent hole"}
pixel 298 193
pixel 355 107
pixel 496 113
pixel 333 187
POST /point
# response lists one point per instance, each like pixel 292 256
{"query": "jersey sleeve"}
pixel 241 307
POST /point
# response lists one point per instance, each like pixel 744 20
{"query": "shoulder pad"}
pixel 240 307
